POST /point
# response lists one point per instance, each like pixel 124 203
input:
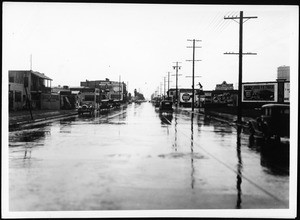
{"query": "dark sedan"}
pixel 166 106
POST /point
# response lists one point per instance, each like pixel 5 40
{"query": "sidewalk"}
pixel 218 115
pixel 19 118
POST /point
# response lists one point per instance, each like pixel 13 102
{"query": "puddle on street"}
pixel 184 157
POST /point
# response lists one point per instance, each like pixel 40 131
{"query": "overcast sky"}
pixel 74 42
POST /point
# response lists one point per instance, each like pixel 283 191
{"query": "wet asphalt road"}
pixel 135 158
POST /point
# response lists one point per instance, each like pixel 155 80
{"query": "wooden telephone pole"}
pixel 177 67
pixel 241 21
pixel 193 72
pixel 169 84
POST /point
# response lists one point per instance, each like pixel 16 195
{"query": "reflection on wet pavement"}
pixel 137 158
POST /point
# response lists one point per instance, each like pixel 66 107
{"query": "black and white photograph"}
pixel 149 110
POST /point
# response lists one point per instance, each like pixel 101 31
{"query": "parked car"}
pixel 117 103
pixel 86 109
pixel 273 122
pixel 157 103
pixel 104 105
pixel 166 106
pixel 111 103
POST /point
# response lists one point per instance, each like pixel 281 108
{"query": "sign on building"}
pixel 186 97
pixel 259 92
pixel 116 92
pixel 287 92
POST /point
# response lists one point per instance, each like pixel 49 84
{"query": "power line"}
pixel 221 23
pixel 212 23
pixel 224 24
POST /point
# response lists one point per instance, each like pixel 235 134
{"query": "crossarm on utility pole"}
pixel 241 21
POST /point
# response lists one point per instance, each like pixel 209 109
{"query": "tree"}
pixel 138 96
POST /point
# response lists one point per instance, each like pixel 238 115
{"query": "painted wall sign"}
pixel 186 97
pixel 259 92
pixel 287 92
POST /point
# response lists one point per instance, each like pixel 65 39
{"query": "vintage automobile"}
pixel 274 122
pixel 86 109
pixel 165 106
pixel 117 103
pixel 156 103
pixel 111 103
pixel 104 105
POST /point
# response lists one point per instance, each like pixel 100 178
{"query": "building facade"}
pixel 109 89
pixel 224 86
pixel 259 93
pixel 26 88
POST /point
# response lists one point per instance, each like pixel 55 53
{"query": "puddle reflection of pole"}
pixel 239 168
pixel 192 151
pixel 175 144
pixel 27 150
pixel 168 130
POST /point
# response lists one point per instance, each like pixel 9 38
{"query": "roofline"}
pixel 264 82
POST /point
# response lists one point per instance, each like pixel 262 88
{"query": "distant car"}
pixel 86 109
pixel 117 103
pixel 111 103
pixel 273 122
pixel 166 106
pixel 157 103
pixel 104 105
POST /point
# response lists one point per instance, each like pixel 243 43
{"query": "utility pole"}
pixel 168 84
pixel 127 92
pixel 193 72
pixel 119 87
pixel 28 100
pixel 241 21
pixel 164 86
pixel 177 67
pixel 30 62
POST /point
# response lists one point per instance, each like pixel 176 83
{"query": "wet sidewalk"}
pixel 231 118
pixel 20 118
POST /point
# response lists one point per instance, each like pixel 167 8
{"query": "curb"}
pixel 219 117
pixel 24 124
